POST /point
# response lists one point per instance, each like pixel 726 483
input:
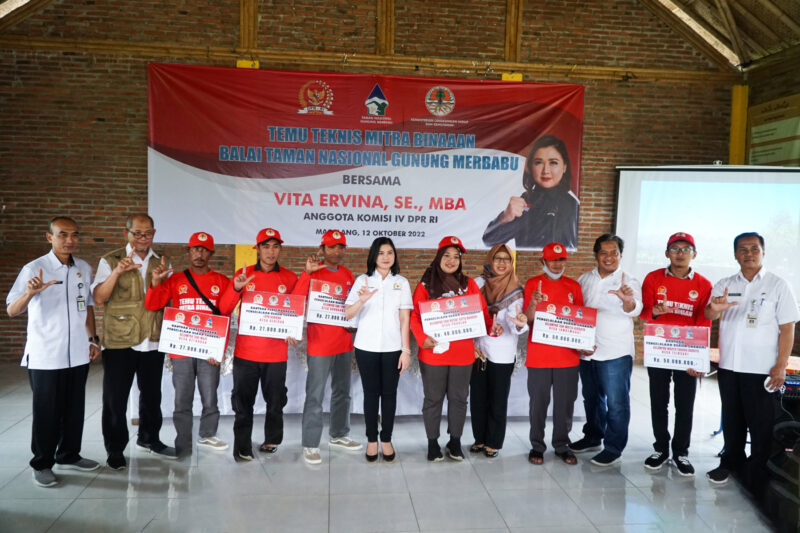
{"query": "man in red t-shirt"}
pixel 259 359
pixel 186 370
pixel 330 352
pixel 676 296
pixel 553 367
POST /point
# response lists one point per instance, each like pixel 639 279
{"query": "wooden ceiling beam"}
pixel 513 29
pixel 750 17
pixel 680 27
pixel 730 24
pixel 22 13
pixel 783 17
pixel 378 63
pixel 701 21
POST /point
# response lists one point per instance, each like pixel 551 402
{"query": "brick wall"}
pixel 73 126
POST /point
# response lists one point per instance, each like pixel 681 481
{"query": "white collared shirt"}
pixel 104 271
pixel 769 299
pixel 502 349
pixel 57 336
pixel 614 333
pixel 379 318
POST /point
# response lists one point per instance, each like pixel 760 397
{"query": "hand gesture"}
pixel 429 343
pixel 240 281
pixel 313 262
pixel 661 308
pixel 126 263
pixel 36 284
pixel 497 329
pixel 538 296
pixel 624 293
pixel 516 206
pixel 721 303
pixel 519 320
pixel 160 273
pixel 365 294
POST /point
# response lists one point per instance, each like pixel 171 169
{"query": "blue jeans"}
pixel 606 389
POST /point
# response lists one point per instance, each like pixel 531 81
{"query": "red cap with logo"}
pixel 267 234
pixel 332 237
pixel 202 239
pixel 681 236
pixel 554 251
pixel 452 241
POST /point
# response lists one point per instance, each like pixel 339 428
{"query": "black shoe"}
pixel 605 458
pixel 656 461
pixel 116 461
pixel 434 451
pixel 718 476
pixel 585 445
pixel 454 451
pixel 389 458
pixel 683 465
pixel 158 448
pixel 371 458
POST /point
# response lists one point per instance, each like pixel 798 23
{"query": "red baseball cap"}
pixel 681 236
pixel 554 251
pixel 332 237
pixel 452 241
pixel 202 239
pixel 267 234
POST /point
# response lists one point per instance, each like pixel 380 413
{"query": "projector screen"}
pixel 714 204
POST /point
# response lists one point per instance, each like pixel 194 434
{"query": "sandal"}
pixel 476 448
pixel 568 457
pixel 490 452
pixel 268 448
pixel 535 458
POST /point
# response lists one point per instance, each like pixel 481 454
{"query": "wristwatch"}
pixel 94 339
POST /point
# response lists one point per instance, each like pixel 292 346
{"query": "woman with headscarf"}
pixel 495 356
pixel 547 211
pixel 446 367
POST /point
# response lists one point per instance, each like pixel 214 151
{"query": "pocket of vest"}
pixel 121 327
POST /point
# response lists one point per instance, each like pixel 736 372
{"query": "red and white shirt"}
pixel 685 297
pixel 559 291
pixel 325 339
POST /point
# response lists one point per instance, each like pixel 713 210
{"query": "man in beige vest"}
pixel 130 341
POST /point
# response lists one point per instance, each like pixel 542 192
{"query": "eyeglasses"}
pixel 501 259
pixel 685 249
pixel 143 235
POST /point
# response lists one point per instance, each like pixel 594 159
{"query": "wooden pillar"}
pixel 737 151
pixel 384 38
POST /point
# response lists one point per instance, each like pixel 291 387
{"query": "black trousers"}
pixel 379 377
pixel 488 402
pixel 119 368
pixel 246 377
pixel 746 405
pixel 685 390
pixel 59 398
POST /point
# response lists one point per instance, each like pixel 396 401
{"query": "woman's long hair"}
pixel 545 142
pixel 372 257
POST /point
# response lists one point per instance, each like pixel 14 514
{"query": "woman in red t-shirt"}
pixel 446 367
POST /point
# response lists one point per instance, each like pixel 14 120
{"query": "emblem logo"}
pixel 337 235
pixel 258 299
pixel 450 304
pixel 209 323
pixel 269 233
pixel 338 289
pixel 454 240
pixel 570 298
pixel 214 289
pixel 551 308
pixel 566 311
pixel 376 102
pixel 326 287
pixel 661 290
pixel 440 101
pixel 287 302
pixel 316 98
pixel 693 295
pixel 396 286
pixel 435 306
pixel 281 288
pixel 182 289
pixel 557 249
pixel 675 332
pixel 251 286
pixel 202 237
pixel 195 319
pixel 659 332
pixel 273 300
pixel 180 317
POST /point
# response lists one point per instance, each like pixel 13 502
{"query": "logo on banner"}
pixel 273 300
pixel 435 306
pixel 450 304
pixel 258 299
pixel 551 308
pixel 316 98
pixel 376 102
pixel 675 332
pixel 287 302
pixel 180 317
pixel 440 101
pixel 195 319
pixel 338 289
pixel 566 310
pixel 209 323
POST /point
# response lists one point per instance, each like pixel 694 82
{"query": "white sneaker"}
pixel 312 456
pixel 212 443
pixel 345 442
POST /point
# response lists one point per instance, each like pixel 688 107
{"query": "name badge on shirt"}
pixel 752 315
pixel 81 301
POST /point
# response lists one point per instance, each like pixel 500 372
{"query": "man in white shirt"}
pixel 606 372
pixel 757 312
pixel 130 339
pixel 61 341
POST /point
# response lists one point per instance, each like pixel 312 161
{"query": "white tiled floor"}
pixel 279 492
